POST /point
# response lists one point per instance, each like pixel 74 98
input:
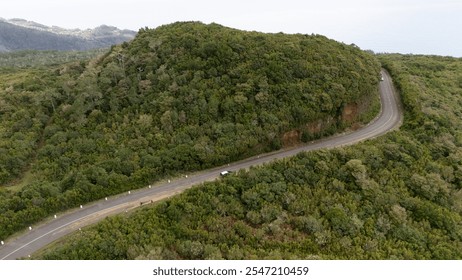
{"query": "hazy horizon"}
pixel 406 26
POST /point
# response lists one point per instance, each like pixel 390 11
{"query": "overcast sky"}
pixel 405 26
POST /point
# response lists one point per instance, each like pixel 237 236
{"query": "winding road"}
pixel 39 236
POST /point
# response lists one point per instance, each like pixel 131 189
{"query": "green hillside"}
pixel 34 59
pixel 396 197
pixel 179 98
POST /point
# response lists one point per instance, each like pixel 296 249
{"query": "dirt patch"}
pixel 355 126
pixel 294 137
pixel 350 116
pixel 315 127
pixel 350 112
pixel 291 138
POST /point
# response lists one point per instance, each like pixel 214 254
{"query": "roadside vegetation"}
pixel 179 98
pixel 395 197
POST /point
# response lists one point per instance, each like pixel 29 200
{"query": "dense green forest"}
pixel 34 59
pixel 178 98
pixel 395 197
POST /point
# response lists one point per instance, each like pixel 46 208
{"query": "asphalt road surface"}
pixel 39 236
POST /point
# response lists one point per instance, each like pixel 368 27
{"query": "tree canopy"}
pixel 178 98
pixel 395 197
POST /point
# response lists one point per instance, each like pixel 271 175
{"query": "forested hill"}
pixel 395 197
pixel 243 90
pixel 179 98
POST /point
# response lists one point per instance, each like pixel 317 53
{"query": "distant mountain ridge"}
pixel 20 34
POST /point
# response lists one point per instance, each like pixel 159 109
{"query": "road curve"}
pixel 37 237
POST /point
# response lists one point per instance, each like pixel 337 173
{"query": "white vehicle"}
pixel 224 173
